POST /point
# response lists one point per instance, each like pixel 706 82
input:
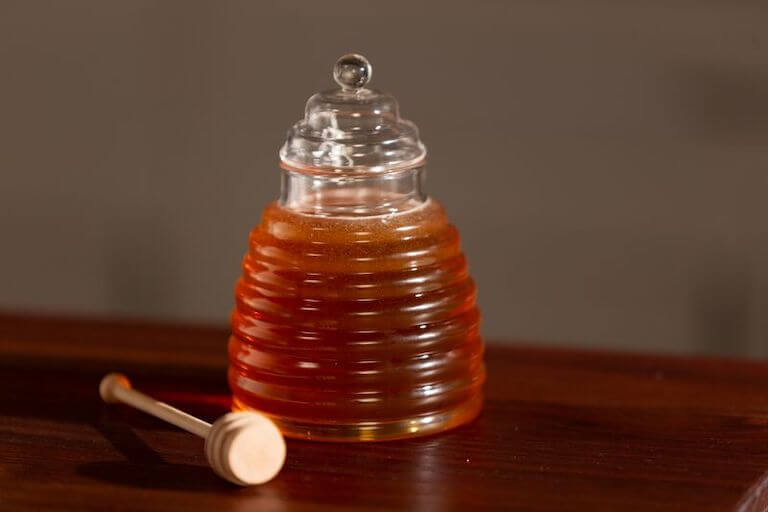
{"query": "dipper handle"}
pixel 115 387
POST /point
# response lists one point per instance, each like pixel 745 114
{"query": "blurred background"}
pixel 605 161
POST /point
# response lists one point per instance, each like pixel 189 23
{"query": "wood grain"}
pixel 561 430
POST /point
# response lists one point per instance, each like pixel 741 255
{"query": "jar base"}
pixel 406 428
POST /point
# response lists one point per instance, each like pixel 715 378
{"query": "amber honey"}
pixel 357 328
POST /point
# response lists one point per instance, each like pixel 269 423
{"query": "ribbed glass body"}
pixel 355 315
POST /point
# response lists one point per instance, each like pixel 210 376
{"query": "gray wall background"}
pixel 605 161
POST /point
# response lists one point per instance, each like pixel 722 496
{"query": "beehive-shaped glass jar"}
pixel 355 315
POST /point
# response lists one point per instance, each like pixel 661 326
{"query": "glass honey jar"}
pixel 355 316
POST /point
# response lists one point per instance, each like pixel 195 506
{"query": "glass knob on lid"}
pixel 353 129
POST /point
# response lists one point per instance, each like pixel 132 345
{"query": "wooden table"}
pixel 562 430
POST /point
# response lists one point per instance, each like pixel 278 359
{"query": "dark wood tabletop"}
pixel 561 430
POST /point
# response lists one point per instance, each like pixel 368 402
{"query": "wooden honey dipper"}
pixel 245 448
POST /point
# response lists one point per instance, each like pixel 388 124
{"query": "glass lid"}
pixel 352 129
